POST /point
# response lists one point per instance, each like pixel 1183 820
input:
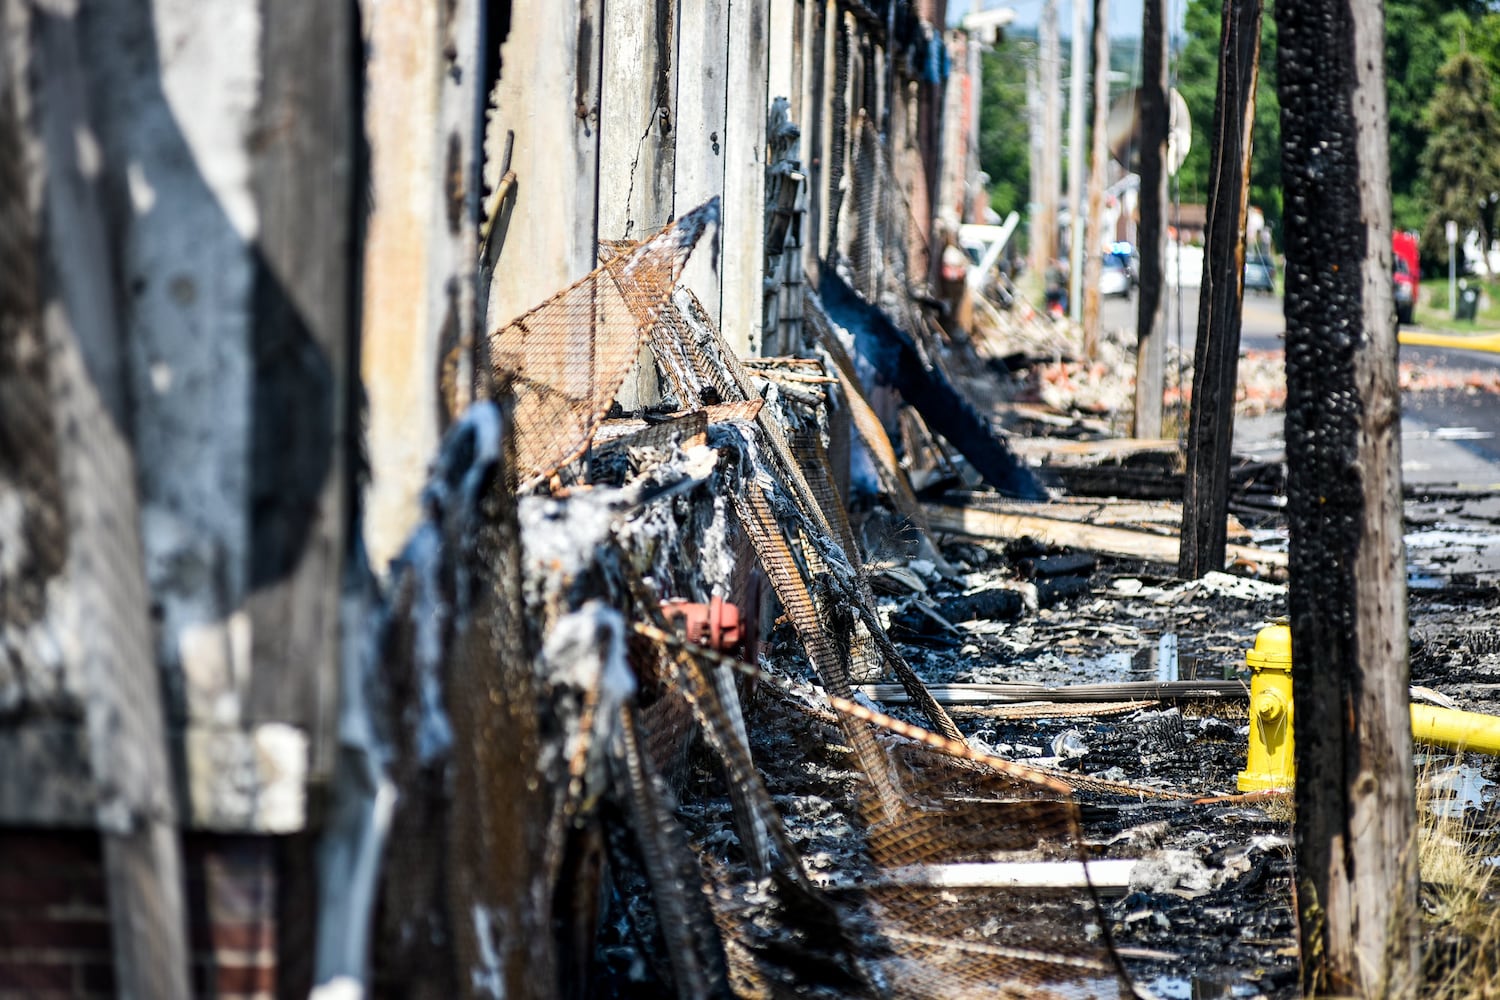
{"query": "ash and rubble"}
pixel 832 791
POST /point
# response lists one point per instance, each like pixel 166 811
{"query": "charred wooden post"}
pixel 743 227
pixel 1151 300
pixel 83 742
pixel 637 156
pixel 1216 356
pixel 1078 73
pixel 472 826
pixel 639 98
pixel 817 67
pixel 702 126
pixel 1356 863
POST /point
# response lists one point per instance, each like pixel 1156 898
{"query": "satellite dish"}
pixel 1123 130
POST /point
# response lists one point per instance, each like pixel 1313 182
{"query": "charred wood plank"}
pixel 1069 534
pixel 1011 694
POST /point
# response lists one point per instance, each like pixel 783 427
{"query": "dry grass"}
pixel 1460 909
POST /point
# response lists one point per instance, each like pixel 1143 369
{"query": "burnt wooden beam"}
pixel 1356 866
pixel 1216 355
pixel 1015 694
pixel 1121 542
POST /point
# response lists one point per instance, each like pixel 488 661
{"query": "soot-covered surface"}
pixel 1208 910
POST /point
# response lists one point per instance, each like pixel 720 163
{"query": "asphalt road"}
pixel 1449 436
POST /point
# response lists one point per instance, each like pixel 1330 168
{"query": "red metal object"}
pixel 715 624
pixel 1408 272
pixel 1405 245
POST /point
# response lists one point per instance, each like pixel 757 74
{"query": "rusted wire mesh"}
pixel 566 358
pixel 880 231
pixel 923 808
pixel 920 805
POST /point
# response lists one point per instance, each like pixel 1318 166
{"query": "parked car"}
pixel 1260 276
pixel 1406 273
pixel 1405 289
pixel 1116 277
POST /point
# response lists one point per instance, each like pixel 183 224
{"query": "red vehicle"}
pixel 1408 273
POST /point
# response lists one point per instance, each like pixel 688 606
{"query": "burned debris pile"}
pixel 745 819
pixel 719 736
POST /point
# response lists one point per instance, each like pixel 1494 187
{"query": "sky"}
pixel 1124 15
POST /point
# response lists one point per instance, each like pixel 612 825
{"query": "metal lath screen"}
pixel 921 912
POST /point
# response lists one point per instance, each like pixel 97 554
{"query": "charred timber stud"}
pixel 1269 763
pixel 715 624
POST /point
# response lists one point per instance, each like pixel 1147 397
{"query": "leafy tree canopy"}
pixel 1461 161
pixel 1421 37
pixel 1004 136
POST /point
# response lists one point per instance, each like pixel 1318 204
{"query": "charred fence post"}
pixel 1356 859
pixel 465 879
pixel 1216 357
pixel 1151 302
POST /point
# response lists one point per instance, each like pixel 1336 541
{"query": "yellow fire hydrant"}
pixel 1270 763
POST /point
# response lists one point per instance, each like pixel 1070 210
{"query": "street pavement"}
pixel 1449 436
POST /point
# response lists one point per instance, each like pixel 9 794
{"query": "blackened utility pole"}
pixel 1098 175
pixel 1205 500
pixel 1356 860
pixel 1151 305
pixel 1044 226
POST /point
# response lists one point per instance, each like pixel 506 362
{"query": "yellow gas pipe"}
pixel 1270 762
pixel 1445 727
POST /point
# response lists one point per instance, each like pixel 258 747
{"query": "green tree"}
pixel 1414 34
pixel 1004 137
pixel 1197 81
pixel 1461 162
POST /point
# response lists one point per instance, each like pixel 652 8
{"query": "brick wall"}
pixel 231 906
pixel 54 919
pixel 247 939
